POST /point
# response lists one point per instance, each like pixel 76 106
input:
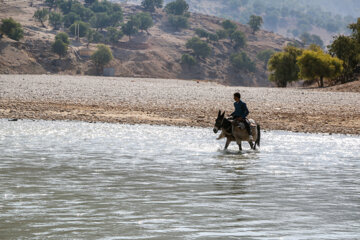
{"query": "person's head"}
pixel 237 96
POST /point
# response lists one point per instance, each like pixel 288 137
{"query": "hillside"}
pixel 290 18
pixel 156 55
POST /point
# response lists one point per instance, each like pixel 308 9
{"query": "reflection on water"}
pixel 72 180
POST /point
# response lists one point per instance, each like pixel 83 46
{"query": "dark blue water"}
pixel 73 180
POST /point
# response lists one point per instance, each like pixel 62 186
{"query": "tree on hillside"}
pixel 202 33
pixel 355 28
pixel 59 47
pixel 79 29
pixel 114 35
pixel 146 21
pixel 89 2
pixel 55 20
pixel 12 29
pixel 242 61
pixel 200 48
pixel 229 26
pixel 101 57
pixel 63 37
pixel 178 7
pixel 348 50
pixel 188 60
pixel 93 36
pixel 151 5
pixel 318 65
pixel 222 34
pixel 255 22
pixel 41 16
pixel 52 3
pixel 283 66
pixel 178 22
pixel 308 39
pixel 131 27
pixel 239 38
pixel 70 18
pixel 100 21
pixel 265 55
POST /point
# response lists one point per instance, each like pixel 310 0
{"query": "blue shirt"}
pixel 241 110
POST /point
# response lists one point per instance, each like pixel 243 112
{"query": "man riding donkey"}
pixel 240 114
pixel 234 130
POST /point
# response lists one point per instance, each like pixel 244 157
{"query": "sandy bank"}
pixel 173 102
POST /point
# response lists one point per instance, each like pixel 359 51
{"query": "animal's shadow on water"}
pixel 237 154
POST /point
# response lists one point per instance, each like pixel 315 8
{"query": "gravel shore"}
pixel 173 102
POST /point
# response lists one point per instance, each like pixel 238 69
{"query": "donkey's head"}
pixel 219 121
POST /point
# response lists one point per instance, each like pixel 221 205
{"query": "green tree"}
pixel 255 22
pixel 60 48
pixel 221 34
pixel 55 20
pixel 202 33
pixel 200 48
pixel 146 21
pixel 318 65
pixel 188 60
pixel 100 20
pixel 242 61
pixel 178 7
pixel 213 37
pixel 151 5
pixel 265 55
pixel 348 50
pixel 63 37
pixel 70 18
pixel 178 22
pixel 93 36
pixel 283 66
pixel 113 34
pixel 12 29
pixel 239 38
pixel 131 27
pixel 101 57
pixel 41 16
pixel 229 26
pixel 89 2
pixel 355 28
pixel 79 28
pixel 308 39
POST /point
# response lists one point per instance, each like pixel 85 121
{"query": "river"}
pixel 77 180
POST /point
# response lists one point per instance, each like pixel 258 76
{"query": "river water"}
pixel 75 180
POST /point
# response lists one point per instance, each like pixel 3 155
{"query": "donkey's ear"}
pixel 223 114
pixel 219 113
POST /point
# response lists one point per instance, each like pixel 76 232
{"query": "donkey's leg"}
pixel 239 143
pixel 228 141
pixel 253 146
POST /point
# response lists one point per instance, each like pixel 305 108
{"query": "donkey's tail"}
pixel 257 142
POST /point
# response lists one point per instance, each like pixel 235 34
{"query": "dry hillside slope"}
pixel 156 55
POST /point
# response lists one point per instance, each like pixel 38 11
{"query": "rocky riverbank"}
pixel 173 102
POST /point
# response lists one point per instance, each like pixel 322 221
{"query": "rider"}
pixel 240 113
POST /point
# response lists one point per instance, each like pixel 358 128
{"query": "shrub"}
pixel 188 60
pixel 221 34
pixel 202 33
pixel 178 7
pixel 151 5
pixel 59 47
pixel 229 26
pixel 55 20
pixel 239 38
pixel 200 48
pixel 101 57
pixel 63 37
pixel 12 29
pixel 242 61
pixel 213 37
pixel 178 22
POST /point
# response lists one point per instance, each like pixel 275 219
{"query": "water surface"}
pixel 74 180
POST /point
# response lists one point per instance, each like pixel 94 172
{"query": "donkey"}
pixel 235 133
